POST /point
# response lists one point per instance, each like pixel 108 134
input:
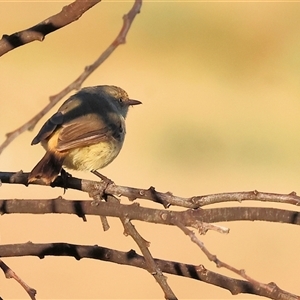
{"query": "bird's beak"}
pixel 133 102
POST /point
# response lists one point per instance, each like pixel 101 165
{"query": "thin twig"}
pixel 9 273
pixel 152 267
pixel 76 84
pixel 203 227
pixel 269 288
pixel 69 14
pixel 103 219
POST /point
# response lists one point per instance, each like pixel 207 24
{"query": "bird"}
pixel 86 133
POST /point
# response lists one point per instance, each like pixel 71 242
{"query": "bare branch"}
pixel 189 218
pixel 131 258
pixel 9 273
pixel 166 199
pixel 291 198
pixel 76 84
pixel 69 14
pixel 152 267
pixel 270 288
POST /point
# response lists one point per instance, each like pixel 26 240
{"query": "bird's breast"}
pixel 93 157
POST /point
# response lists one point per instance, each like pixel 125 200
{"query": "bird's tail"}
pixel 47 168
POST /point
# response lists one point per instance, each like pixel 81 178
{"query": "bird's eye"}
pixel 120 100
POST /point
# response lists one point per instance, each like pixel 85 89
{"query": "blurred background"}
pixel 220 89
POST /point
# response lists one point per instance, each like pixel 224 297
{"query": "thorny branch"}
pixel 69 14
pixel 197 217
pixel 76 84
pixel 166 199
pixel 270 288
pixel 131 258
pixel 183 219
pixel 9 273
pixel 152 267
pixel 220 263
pixel 190 218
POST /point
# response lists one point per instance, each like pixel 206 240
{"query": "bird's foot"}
pixel 64 176
pixel 99 193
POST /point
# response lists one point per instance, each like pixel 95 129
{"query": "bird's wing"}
pixel 49 127
pixel 87 130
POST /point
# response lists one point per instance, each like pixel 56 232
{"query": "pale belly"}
pixel 92 157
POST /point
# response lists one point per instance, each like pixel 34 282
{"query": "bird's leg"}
pixel 104 178
pixel 100 192
pixel 65 175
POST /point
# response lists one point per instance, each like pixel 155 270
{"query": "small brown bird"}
pixel 86 133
